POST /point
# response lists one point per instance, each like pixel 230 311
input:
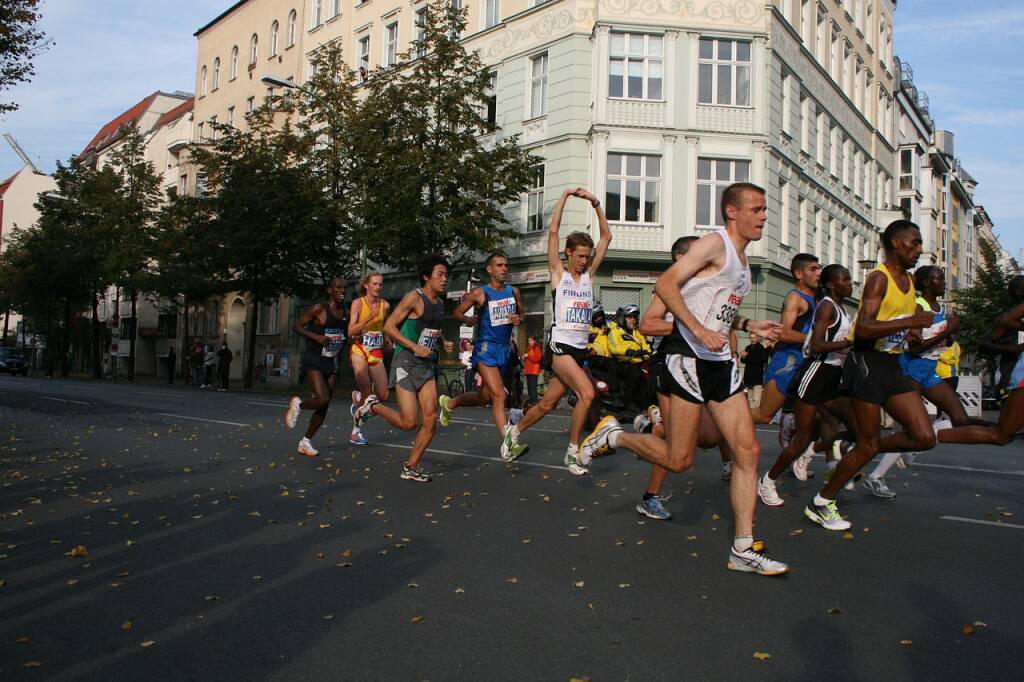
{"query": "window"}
pixel 847 162
pixel 234 62
pixel 801 212
pixel 421 32
pixel 491 13
pixel 805 123
pixel 250 105
pixel 857 172
pixel 635 68
pixel 835 150
pixel 539 85
pixel 254 49
pixel 293 20
pixel 858 85
pixel 273 38
pixel 216 73
pixel 833 228
pixel 316 17
pixel 201 132
pixel 786 9
pixel 269 314
pixel 724 72
pixel 787 102
pixel 391 44
pixel 167 325
pixel 821 41
pixel 364 58
pixel 491 112
pixel 231 117
pixel 713 176
pixel 212 318
pixel 201 182
pixel 182 184
pixel 783 212
pixel 213 129
pixel 633 189
pixel 907 174
pixel 819 229
pixel 848 69
pixel 336 8
pixel 820 142
pixel 807 22
pixel 835 67
pixel 535 201
pixel 202 82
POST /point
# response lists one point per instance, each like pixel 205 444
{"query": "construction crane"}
pixel 21 153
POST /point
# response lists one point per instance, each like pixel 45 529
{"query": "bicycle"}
pixel 453 387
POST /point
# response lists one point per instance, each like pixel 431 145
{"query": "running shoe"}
pixel 767 492
pixel 516 451
pixel 511 448
pixel 852 483
pixel 357 397
pixel 941 425
pixel 726 471
pixel 598 442
pixel 653 507
pixel 363 412
pixel 802 463
pixel 515 415
pixel 640 423
pixel 827 516
pixel 414 473
pixel 446 412
pixel 654 414
pixel 752 561
pixel 572 461
pixel 291 415
pixel 877 487
pixel 357 438
pixel 306 448
pixel 787 429
pixel 906 460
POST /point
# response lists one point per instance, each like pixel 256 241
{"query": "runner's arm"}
pixel 706 251
pixel 917 344
pixel 605 237
pixel 300 324
pixel 793 307
pixel 824 316
pixel 410 303
pixel 868 324
pixel 517 318
pixel 474 298
pixel 653 323
pixel 554 254
pixel 1007 322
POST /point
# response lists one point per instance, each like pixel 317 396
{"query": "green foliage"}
pixel 978 306
pixel 20 41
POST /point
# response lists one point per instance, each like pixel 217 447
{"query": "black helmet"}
pixel 630 310
pixel 598 309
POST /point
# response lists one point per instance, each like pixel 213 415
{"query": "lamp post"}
pixel 277 82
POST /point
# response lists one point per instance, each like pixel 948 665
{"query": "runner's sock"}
pixel 888 461
pixel 820 501
pixel 613 438
pixel 742 543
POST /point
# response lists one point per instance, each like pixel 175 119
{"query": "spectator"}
pixel 224 358
pixel 209 363
pixel 195 361
pixel 531 367
pixel 172 362
pixel 755 358
pixel 630 348
pixel 602 366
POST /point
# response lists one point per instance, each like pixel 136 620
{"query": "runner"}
pixel 572 299
pixel 324 325
pixel 415 327
pixel 704 290
pixel 817 380
pixel 499 309
pixel 366 355
pixel 659 323
pixel 797 314
pixel 871 372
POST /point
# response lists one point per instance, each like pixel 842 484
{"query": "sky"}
pixel 109 54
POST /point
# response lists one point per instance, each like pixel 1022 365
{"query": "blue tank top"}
pixel 496 315
pixel 802 324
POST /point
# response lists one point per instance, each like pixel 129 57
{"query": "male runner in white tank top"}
pixel 714 277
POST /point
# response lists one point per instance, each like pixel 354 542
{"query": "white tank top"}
pixel 715 300
pixel 840 329
pixel 572 305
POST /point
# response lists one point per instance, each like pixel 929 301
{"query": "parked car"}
pixel 13 361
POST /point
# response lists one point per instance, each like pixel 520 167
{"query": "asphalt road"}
pixel 215 552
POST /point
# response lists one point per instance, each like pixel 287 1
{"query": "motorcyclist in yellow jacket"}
pixel 629 348
pixel 602 365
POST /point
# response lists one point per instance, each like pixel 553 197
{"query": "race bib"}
pixel 723 311
pixel 932 332
pixel 501 311
pixel 373 340
pixel 894 341
pixel 429 338
pixel 576 315
pixel 335 340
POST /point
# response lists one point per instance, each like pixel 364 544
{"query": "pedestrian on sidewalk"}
pixel 195 361
pixel 209 364
pixel 172 361
pixel 531 367
pixel 224 358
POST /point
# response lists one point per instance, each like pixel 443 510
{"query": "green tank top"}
pixel 424 330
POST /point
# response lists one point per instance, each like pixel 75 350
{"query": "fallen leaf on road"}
pixel 623 585
pixel 328 616
pixel 413 585
pixel 459 590
pixel 148 643
pixel 835 610
pixel 416 619
pixel 579 583
pixel 346 552
pixel 798 531
pixel 79 550
pixel 761 656
pixel 211 597
pixel 967 630
pixel 715 517
pixel 32 664
pixel 847 536
pixel 512 579
pixel 906 642
pixel 980 624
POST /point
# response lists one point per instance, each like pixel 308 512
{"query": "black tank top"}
pixel 334 328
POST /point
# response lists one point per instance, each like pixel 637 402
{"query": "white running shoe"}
pixel 640 422
pixel 363 412
pixel 654 414
pixel 515 415
pixel 827 516
pixel 787 429
pixel 767 492
pixel 572 461
pixel 906 460
pixel 357 397
pixel 941 425
pixel 877 487
pixel 801 463
pixel 750 561
pixel 598 441
pixel 306 448
pixel 291 415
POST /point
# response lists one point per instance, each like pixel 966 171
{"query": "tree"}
pixel 431 184
pixel 20 41
pixel 979 305
pixel 260 198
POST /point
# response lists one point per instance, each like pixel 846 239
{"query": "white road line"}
pixel 159 395
pixel 256 402
pixel 981 522
pixel 64 400
pixel 200 419
pixel 980 471
pixel 489 459
pixel 530 430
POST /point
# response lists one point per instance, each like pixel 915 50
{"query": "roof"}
pixel 7 183
pixel 175 113
pixel 220 16
pixel 108 132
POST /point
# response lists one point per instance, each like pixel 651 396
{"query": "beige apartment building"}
pixel 657 106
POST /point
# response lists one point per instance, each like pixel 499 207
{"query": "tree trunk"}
pixel 250 360
pixel 135 333
pixel 65 343
pixel 97 358
pixel 7 321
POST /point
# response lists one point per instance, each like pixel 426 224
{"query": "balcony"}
pixel 637 237
pixel 636 114
pixel 722 119
pixel 177 144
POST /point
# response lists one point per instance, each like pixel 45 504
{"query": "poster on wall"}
pixel 466 335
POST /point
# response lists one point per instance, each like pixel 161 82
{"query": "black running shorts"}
pixel 872 376
pixel 313 360
pixel 553 349
pixel 815 382
pixel 702 381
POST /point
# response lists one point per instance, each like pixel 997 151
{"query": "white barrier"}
pixel 969 392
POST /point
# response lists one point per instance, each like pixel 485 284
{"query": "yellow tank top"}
pixel 377 324
pixel 896 304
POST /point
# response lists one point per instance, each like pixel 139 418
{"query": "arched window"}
pixel 216 73
pixel 234 62
pixel 293 19
pixel 254 48
pixel 273 39
pixel 202 82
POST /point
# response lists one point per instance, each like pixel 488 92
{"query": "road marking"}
pixel 531 430
pixel 200 419
pixel 981 522
pixel 490 459
pixel 64 400
pixel 159 395
pixel 980 471
pixel 256 402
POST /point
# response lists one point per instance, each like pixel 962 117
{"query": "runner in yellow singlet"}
pixel 366 329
